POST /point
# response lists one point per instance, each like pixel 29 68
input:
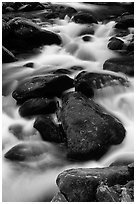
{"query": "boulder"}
pixel 24 35
pixel 115 44
pixel 7 56
pixel 125 21
pixel 81 184
pixel 87 82
pixel 48 130
pixel 124 64
pixel 59 197
pixel 37 106
pixel 84 18
pixel 90 130
pixel 42 86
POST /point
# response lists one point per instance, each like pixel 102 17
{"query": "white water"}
pixel 36 182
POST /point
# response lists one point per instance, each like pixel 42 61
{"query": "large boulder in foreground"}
pixel 90 130
pixel 24 35
pixel 124 64
pixel 94 185
pixel 42 86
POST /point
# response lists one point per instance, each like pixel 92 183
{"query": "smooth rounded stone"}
pixel 70 11
pixel 125 22
pixel 115 44
pixel 7 56
pixel 89 129
pixel 26 151
pixel 84 18
pixel 62 71
pixel 29 64
pixel 37 106
pixel 124 64
pixel 59 197
pixel 106 194
pixel 24 35
pixel 47 129
pixel 87 82
pixel 87 38
pixel 80 184
pixel 42 86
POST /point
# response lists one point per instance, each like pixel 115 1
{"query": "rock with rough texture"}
pixel 37 106
pixel 42 86
pixel 47 129
pixel 87 82
pixel 115 44
pixel 7 56
pixel 84 18
pixel 59 197
pixel 24 35
pixel 80 185
pixel 89 129
pixel 106 194
pixel 124 64
pixel 125 22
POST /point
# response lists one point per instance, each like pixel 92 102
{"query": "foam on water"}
pixel 37 182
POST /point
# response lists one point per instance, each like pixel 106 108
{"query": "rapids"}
pixel 36 181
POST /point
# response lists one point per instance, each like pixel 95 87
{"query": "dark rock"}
pixel 26 151
pixel 48 130
pixel 124 64
pixel 121 32
pixel 130 47
pixel 7 56
pixel 37 106
pixel 76 68
pixel 125 22
pixel 89 129
pixel 42 86
pixel 70 11
pixel 87 82
pixel 62 71
pixel 84 18
pixel 59 197
pixel 89 30
pixel 9 9
pixel 80 185
pixel 29 64
pixel 31 6
pixel 115 44
pixel 24 35
pixel 87 38
pixel 106 194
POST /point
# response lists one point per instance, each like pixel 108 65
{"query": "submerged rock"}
pixel 59 197
pixel 87 82
pixel 24 35
pixel 37 106
pixel 89 129
pixel 82 184
pixel 47 129
pixel 124 64
pixel 7 56
pixel 84 18
pixel 42 86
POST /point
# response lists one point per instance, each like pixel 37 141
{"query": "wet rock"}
pixel 62 71
pixel 76 68
pixel 80 185
pixel 70 11
pixel 125 22
pixel 37 106
pixel 29 64
pixel 31 6
pixel 26 151
pixel 106 194
pixel 124 64
pixel 86 38
pixel 89 129
pixel 24 35
pixel 48 130
pixel 7 56
pixel 115 44
pixel 87 82
pixel 59 197
pixel 84 18
pixel 42 86
pixel 121 32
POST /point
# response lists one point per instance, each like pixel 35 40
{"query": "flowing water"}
pixel 35 180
